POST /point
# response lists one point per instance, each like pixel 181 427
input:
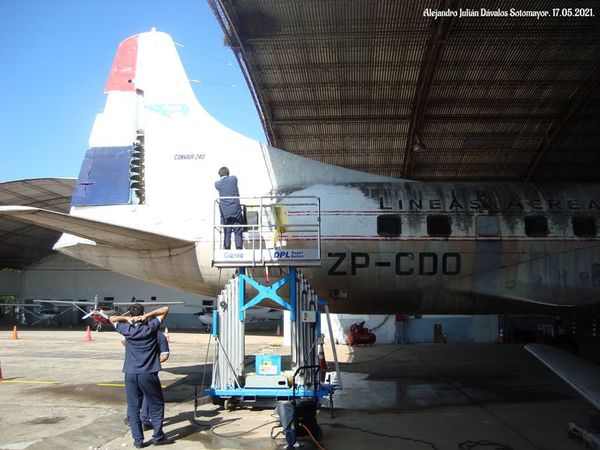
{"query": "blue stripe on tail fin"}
pixel 104 178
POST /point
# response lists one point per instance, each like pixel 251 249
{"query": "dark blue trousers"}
pixel 145 412
pixel 137 387
pixel 237 231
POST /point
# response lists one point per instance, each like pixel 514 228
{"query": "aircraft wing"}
pixel 580 374
pixel 16 304
pixel 105 233
pixel 65 302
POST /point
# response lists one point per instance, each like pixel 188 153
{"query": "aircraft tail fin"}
pixel 147 115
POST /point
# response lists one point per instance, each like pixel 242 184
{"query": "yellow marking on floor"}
pixel 56 382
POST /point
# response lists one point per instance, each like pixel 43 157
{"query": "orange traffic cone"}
pixel 278 332
pixel 15 334
pixel 88 334
pixel 322 364
pixel 167 335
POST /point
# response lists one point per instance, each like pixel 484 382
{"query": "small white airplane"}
pixel 39 311
pixel 99 312
pixel 47 314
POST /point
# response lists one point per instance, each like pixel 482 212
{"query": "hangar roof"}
pixel 358 84
pixel 22 244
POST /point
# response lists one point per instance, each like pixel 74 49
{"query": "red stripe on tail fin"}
pixel 122 73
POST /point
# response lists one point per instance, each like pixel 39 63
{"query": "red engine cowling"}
pixel 360 335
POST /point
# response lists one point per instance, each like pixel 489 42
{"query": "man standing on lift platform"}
pixel 231 210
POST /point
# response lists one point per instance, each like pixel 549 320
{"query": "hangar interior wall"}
pixel 10 283
pixel 59 277
pixel 418 330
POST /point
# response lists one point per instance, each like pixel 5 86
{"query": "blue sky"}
pixel 55 56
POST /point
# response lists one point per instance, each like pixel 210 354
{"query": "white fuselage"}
pixel 364 266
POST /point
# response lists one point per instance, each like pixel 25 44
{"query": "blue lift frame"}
pixel 264 292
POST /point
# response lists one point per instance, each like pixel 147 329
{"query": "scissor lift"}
pixel 281 232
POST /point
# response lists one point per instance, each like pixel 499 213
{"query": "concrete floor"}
pixel 61 392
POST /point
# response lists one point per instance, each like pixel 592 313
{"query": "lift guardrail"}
pixel 278 231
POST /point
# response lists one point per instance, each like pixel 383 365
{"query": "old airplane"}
pixel 145 206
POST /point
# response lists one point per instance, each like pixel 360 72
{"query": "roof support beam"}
pixel 439 35
pixel 556 132
pixel 229 28
pixel 402 119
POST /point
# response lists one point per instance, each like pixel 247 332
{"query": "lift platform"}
pixel 283 232
pixel 278 231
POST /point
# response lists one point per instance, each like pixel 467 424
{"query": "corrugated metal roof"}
pixel 22 244
pixel 353 83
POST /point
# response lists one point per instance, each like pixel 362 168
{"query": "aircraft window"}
pixel 536 226
pixel 389 225
pixel 438 226
pixel 584 226
pixel 487 226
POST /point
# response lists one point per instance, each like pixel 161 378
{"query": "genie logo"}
pixel 288 254
pixel 233 255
